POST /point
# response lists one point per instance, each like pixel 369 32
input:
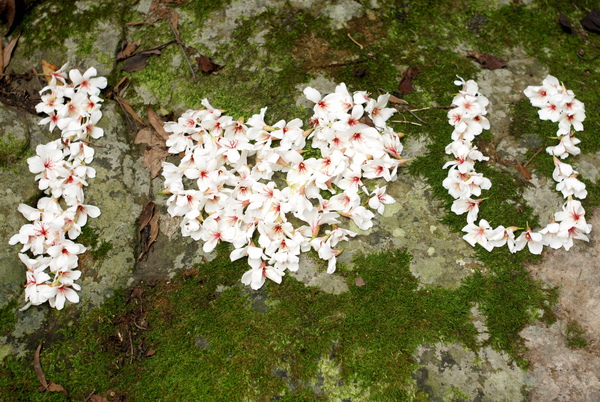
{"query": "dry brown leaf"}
pixel 152 235
pixel 367 120
pixel 10 10
pixel 397 101
pixel 207 66
pixel 157 123
pixel 127 49
pixel 359 281
pixel 136 62
pixel 153 159
pixel 406 86
pixel 144 136
pixel 127 106
pixel 523 171
pixel 52 387
pixel 565 24
pixel 98 398
pixel 174 20
pixel 146 216
pixel 154 230
pixel 591 21
pixel 7 53
pixel 38 367
pixel 48 69
pixel 487 60
pixel 151 352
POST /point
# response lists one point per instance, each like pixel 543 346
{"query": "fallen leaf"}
pixel 591 21
pixel 153 159
pixel 565 24
pixel 127 49
pixel 48 69
pixel 157 123
pixel 46 386
pixel 52 387
pixel 127 106
pixel 144 136
pixel 10 11
pixel 151 352
pixel 152 235
pixel 207 65
pixel 366 120
pixel 397 101
pixel 7 54
pixel 406 86
pixel 359 281
pixel 523 170
pixel 157 12
pixel 98 398
pixel 154 230
pixel 136 62
pixel 38 367
pixel 174 20
pixel 487 60
pixel 146 216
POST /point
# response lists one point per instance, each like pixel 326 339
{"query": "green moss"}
pixel 575 335
pixel 12 151
pixel 89 238
pixel 8 317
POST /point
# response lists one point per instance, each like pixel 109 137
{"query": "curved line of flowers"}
pixel 557 104
pixel 251 185
pixel 72 104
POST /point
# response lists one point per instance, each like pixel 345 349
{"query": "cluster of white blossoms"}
pixel 556 104
pixel 250 185
pixel 72 104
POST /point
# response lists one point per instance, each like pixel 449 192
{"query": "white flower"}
pixel 533 241
pixel 379 199
pixel 478 234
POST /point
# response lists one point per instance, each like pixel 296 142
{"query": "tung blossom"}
pixel 61 167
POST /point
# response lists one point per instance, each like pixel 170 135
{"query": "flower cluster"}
pixel 556 104
pixel 72 104
pixel 251 185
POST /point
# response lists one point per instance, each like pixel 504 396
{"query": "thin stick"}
pixel 534 155
pixel 431 107
pixel 178 40
pixel 412 114
pixel 407 122
pixel 354 40
pixel 131 345
pixel 89 396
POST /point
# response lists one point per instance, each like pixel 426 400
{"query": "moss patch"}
pixel 12 151
pixel 205 336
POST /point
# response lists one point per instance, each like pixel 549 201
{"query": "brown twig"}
pixel 131 346
pixel 180 43
pixel 534 155
pixel 432 107
pixel 407 122
pixel 410 112
pixel 89 396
